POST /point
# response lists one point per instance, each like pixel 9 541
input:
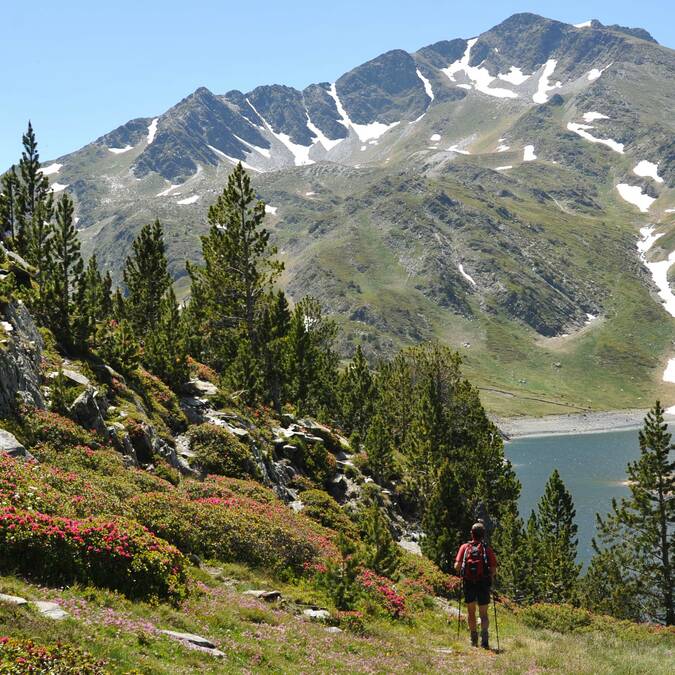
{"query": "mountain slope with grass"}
pixel 488 193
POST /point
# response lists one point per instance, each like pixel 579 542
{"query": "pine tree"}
pixel 165 352
pixel 8 205
pixel 238 273
pixel 34 208
pixel 66 269
pixel 445 518
pixel 380 552
pixel 357 394
pixel 510 545
pixel 380 449
pixel 93 302
pixel 273 330
pixel 116 344
pixel 636 538
pixel 146 278
pixel 557 569
pixel 311 361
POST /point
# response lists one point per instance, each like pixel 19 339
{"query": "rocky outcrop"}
pixel 20 351
pixel 10 446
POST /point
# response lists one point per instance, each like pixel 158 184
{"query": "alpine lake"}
pixel 592 466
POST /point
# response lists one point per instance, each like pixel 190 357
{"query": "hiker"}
pixel 476 564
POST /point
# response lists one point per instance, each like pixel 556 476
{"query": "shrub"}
pixel 218 451
pixel 351 621
pixel 120 554
pixel 24 656
pixel 420 568
pixel 314 460
pixel 559 618
pixel 225 487
pixel 161 400
pixel 321 507
pixel 168 473
pixel 42 426
pixel 382 592
pixel 236 529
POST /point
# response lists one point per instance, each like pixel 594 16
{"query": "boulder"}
pixel 317 614
pixel 20 361
pixel 194 642
pixel 267 596
pixel 12 600
pixel 10 446
pixel 49 609
pixel 203 388
pixel 89 409
pixel 72 375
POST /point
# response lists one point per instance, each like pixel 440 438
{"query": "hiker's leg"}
pixel 471 616
pixel 484 624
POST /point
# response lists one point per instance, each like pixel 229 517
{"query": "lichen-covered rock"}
pixel 20 361
pixel 10 446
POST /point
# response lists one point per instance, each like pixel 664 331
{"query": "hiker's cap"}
pixel 478 530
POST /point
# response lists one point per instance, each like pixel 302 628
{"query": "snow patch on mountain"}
pixel 188 200
pixel 271 209
pixel 427 85
pixel 503 168
pixel 647 169
pixel 169 190
pixel 51 169
pixel 480 77
pixel 454 148
pixel 152 130
pixel 659 270
pixel 582 130
pixel 594 73
pixel 543 87
pixel 119 151
pixel 633 195
pixel 528 153
pixel 514 76
pixel 583 24
pixel 593 116
pixel 265 152
pixel 300 152
pixel 328 143
pixel 502 147
pixel 234 160
pixel 365 132
pixel 57 187
pixel 468 277
pixel 435 138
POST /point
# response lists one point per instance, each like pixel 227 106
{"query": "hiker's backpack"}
pixel 475 565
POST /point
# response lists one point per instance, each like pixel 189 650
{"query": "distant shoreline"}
pixel 573 423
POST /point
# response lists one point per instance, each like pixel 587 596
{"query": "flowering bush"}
pixel 118 554
pixel 42 426
pixel 162 401
pixel 225 487
pixel 235 529
pixel 351 621
pixel 218 451
pixel 430 576
pixel 382 592
pixel 24 656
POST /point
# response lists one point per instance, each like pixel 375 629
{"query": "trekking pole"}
pixel 494 604
pixel 459 611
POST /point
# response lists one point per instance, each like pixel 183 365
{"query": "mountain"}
pixel 488 192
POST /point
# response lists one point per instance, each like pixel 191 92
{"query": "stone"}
pixel 88 410
pixel 195 642
pixel 333 629
pixel 316 614
pixel 10 446
pixel 297 505
pixel 203 388
pixel 72 375
pixel 50 609
pixel 267 596
pixel 12 600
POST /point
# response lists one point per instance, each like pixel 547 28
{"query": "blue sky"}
pixel 79 68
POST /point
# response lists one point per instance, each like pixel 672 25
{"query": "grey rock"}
pixel 72 375
pixel 10 446
pixel 20 362
pixel 12 600
pixel 88 410
pixel 316 614
pixel 333 629
pixel 267 596
pixel 50 609
pixel 195 642
pixel 203 388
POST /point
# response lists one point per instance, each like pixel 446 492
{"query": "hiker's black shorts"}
pixel 477 591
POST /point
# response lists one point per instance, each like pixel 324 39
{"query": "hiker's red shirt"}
pixel 492 559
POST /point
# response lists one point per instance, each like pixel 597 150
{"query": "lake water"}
pixel 592 466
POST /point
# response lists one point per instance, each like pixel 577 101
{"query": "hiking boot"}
pixel 484 643
pixel 474 638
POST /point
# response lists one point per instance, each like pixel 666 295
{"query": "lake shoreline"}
pixel 573 423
